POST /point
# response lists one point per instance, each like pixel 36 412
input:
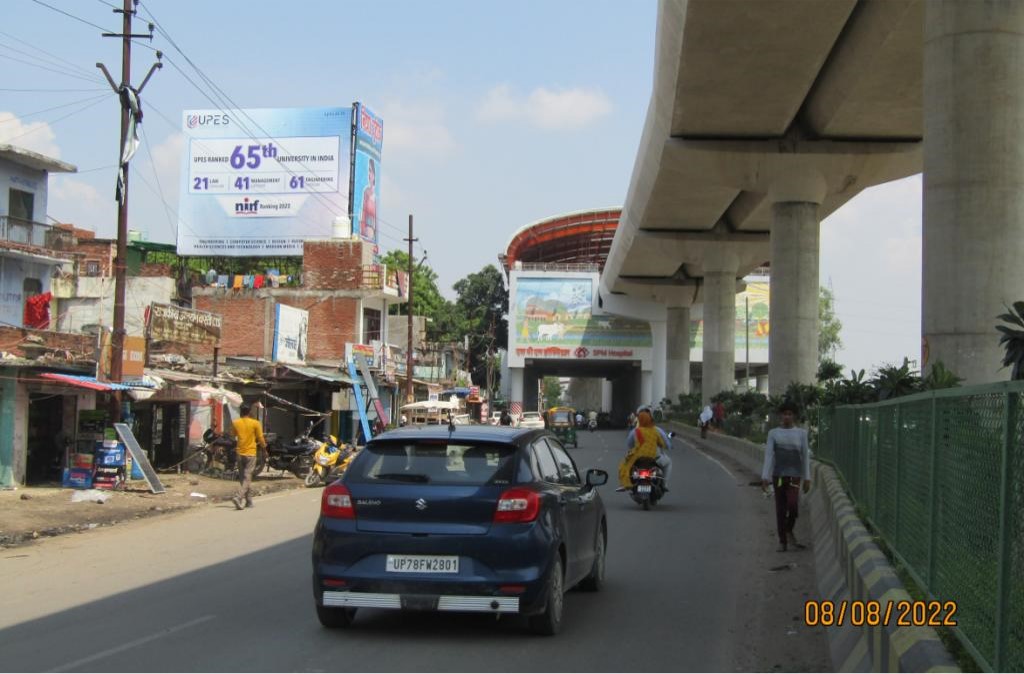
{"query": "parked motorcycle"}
pixel 296 456
pixel 216 456
pixel 329 462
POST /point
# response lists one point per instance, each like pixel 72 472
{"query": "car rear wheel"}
pixel 549 623
pixel 334 617
pixel 595 581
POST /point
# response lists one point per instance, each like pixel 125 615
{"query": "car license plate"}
pixel 643 489
pixel 422 564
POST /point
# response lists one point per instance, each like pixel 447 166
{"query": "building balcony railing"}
pixel 379 277
pixel 17 230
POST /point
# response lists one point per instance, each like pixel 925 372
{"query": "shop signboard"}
pixel 369 140
pixel 259 182
pixel 291 327
pixel 362 350
pixel 133 357
pixel 168 323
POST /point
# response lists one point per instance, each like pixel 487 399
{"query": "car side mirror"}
pixel 596 477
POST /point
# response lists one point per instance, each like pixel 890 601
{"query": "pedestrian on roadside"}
pixel 719 411
pixel 249 434
pixel 506 418
pixel 787 467
pixel 704 420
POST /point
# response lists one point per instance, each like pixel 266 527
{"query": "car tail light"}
pixel 334 582
pixel 517 505
pixel 337 503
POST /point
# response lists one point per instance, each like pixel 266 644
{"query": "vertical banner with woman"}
pixel 368 141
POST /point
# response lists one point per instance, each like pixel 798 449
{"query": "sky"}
pixel 495 115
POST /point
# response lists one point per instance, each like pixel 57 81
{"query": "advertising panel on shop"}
pixel 259 182
pixel 554 317
pixel 291 327
pixel 369 140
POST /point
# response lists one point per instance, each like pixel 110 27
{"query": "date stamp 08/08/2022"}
pixel 880 613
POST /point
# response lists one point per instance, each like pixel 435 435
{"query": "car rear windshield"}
pixel 434 463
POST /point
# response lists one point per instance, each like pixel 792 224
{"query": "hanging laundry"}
pixel 237 285
pixel 37 311
pixel 258 282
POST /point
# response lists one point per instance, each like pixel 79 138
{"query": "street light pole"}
pixel 408 341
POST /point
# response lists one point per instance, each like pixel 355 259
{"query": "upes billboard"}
pixel 259 182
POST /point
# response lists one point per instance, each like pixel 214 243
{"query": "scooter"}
pixel 329 462
pixel 648 483
pixel 592 425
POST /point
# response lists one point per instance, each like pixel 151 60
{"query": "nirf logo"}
pixel 207 120
pixel 246 207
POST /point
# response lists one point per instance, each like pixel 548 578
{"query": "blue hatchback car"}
pixel 459 518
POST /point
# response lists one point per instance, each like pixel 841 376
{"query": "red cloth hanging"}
pixel 37 311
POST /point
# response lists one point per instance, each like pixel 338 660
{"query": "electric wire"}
pixel 97 101
pixel 52 70
pixel 20 116
pixel 59 59
pixel 72 16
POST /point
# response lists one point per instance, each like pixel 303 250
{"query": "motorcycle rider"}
pixel 592 419
pixel 645 441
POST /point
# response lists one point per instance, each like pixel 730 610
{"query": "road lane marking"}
pixel 131 644
pixel 719 463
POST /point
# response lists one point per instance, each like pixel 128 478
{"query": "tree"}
pixel 481 307
pixel 828 325
pixel 829 370
pixel 426 299
pixel 1013 339
pixel 552 392
pixel 940 378
pixel 891 381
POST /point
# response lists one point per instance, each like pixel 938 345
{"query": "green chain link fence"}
pixel 940 476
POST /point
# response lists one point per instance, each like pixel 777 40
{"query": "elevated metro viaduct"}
pixel 768 115
pixel 562 324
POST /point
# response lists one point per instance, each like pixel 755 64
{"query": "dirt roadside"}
pixel 34 513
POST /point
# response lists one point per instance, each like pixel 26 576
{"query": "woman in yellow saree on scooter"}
pixel 646 441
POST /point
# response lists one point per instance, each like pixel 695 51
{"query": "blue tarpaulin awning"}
pixel 92 383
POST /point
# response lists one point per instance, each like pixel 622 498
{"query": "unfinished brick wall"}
pixel 249 322
pixel 100 251
pixel 78 344
pixel 154 269
pixel 332 265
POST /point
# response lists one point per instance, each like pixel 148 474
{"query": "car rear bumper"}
pixel 459 603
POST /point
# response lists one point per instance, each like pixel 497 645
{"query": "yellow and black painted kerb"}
pixel 852 568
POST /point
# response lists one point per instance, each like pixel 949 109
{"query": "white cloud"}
pixel 416 128
pixel 545 108
pixel 36 136
pixel 77 202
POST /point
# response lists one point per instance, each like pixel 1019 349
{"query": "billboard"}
pixel 553 317
pixel 168 323
pixel 291 327
pixel 259 182
pixel 369 139
pixel 757 317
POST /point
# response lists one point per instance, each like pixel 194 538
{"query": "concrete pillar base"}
pixel 719 366
pixel 678 362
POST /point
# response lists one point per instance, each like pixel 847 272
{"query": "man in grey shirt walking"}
pixel 787 465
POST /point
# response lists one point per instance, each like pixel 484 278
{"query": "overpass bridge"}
pixel 768 115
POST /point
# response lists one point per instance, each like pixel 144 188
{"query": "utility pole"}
pixel 131 113
pixel 408 351
pixel 746 323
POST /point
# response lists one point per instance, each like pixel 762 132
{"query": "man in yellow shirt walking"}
pixel 249 433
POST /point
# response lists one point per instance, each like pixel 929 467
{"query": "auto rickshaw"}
pixel 562 422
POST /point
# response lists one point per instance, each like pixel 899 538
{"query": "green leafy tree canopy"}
pixel 829 326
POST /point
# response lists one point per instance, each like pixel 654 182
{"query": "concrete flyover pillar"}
pixel 719 366
pixel 678 362
pixel 515 375
pixel 659 361
pixel 973 232
pixel 762 383
pixel 606 395
pixel 793 311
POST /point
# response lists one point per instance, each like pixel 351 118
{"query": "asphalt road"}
pixel 221 590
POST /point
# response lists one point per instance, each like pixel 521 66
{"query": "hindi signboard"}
pixel 168 323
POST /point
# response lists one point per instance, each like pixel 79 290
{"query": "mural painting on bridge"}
pixel 554 318
pixel 757 293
